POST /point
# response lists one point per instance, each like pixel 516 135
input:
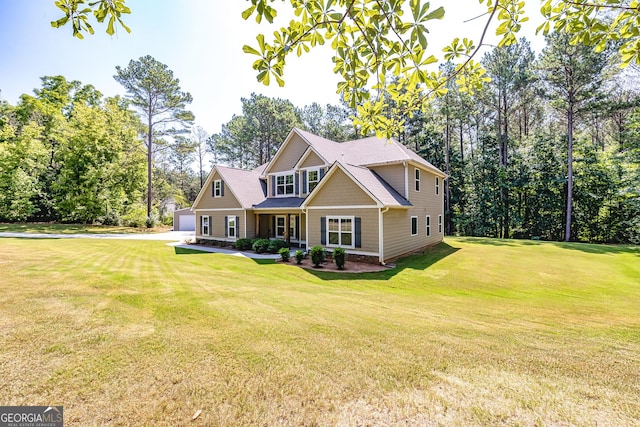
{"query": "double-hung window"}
pixel 232 227
pixel 440 224
pixel 414 225
pixel 428 225
pixel 437 185
pixel 340 231
pixel 285 185
pixel 313 177
pixel 217 188
pixel 204 225
pixel 417 174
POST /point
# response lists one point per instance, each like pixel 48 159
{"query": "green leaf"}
pixel 248 49
pixel 248 12
pixel 436 14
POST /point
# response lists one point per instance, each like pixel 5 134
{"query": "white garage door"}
pixel 187 222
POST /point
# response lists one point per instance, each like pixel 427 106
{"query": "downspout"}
pixel 381 234
pixel 406 180
pixel 306 229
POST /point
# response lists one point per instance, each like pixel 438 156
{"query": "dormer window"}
pixel 285 185
pixel 217 188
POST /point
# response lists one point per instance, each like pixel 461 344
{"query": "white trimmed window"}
pixel 417 175
pixel 285 184
pixel 440 224
pixel 232 227
pixel 414 225
pixel 204 225
pixel 217 188
pixel 313 177
pixel 428 220
pixel 340 231
pixel 437 185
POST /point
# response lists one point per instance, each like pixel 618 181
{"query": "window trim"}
pixel 203 219
pixel 416 227
pixel 340 232
pixel 217 188
pixel 416 176
pixel 292 174
pixel 234 227
pixel 428 225
pixel 317 181
pixel 439 224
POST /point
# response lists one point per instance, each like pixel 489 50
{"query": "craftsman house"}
pixel 375 198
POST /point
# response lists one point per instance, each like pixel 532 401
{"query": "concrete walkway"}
pixel 224 251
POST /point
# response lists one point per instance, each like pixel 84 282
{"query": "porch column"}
pixel 257 225
pixel 288 229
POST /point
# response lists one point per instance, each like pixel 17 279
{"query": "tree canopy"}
pixel 156 93
pixel 374 39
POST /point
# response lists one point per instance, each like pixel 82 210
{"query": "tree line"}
pixel 548 149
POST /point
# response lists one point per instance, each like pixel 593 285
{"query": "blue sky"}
pixel 200 41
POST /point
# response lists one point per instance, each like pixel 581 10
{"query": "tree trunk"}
pixel 447 214
pixel 149 160
pixel 567 228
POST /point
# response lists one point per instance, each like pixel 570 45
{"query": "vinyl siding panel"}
pixel 228 201
pixel 368 231
pixel 251 225
pixel 340 190
pixel 398 240
pixel 287 159
pixel 217 224
pixel 312 160
pixel 393 175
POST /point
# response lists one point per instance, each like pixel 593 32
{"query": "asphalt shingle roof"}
pixel 354 156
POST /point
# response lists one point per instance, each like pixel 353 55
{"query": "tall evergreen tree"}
pixel 574 75
pixel 156 93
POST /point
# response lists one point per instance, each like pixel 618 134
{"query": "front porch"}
pixel 288 226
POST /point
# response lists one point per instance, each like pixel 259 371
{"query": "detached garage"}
pixel 184 220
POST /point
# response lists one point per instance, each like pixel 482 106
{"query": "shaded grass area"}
pixel 473 332
pixel 55 228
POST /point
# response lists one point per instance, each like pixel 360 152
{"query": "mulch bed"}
pixel 349 267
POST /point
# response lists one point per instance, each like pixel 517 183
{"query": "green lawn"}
pixel 474 332
pixel 54 228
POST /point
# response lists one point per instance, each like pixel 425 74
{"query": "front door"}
pixel 281 227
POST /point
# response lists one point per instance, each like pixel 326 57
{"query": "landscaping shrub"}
pixel 111 218
pixel 339 256
pixel 284 253
pixel 261 245
pixel 135 216
pixel 276 245
pixel 243 244
pixel 152 220
pixel 317 255
pixel 299 256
